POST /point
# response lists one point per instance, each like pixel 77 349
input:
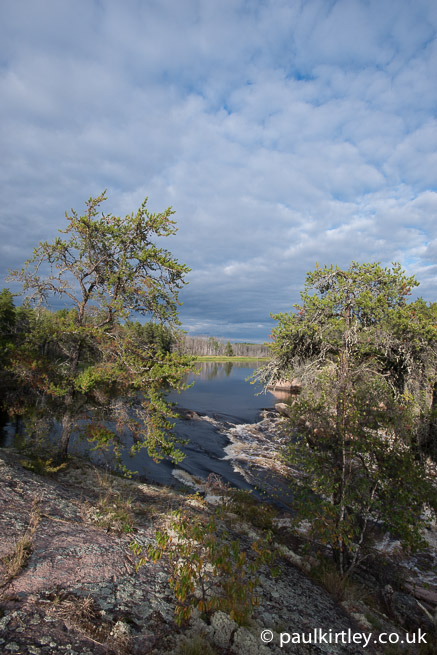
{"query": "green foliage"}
pixel 42 465
pixel 229 352
pixel 367 361
pixel 209 571
pixel 212 341
pixel 361 312
pixel 14 325
pixel 369 475
pixel 152 335
pixel 7 324
pixel 81 363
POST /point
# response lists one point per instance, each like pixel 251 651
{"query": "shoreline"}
pixel 221 359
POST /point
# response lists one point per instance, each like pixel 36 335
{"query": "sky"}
pixel 282 132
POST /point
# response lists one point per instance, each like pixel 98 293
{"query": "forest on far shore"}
pixel 204 346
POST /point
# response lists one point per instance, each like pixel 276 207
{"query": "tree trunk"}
pixel 431 437
pixel 68 418
pixel 340 551
pixel 67 429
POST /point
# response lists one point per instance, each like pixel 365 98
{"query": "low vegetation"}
pixel 17 559
pixel 247 507
pixel 195 645
pixel 209 570
pixel 42 465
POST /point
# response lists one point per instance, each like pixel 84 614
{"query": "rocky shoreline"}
pixel 78 590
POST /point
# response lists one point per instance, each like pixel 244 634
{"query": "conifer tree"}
pixel 80 362
pixel 367 361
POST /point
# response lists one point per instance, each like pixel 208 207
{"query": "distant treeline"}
pixel 212 346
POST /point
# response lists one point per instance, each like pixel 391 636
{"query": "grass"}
pixel 114 508
pixel 85 615
pixel 114 513
pixel 340 587
pixel 42 466
pixel 17 559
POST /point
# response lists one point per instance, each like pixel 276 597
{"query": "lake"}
pixel 224 389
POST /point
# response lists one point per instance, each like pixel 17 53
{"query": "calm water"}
pixel 223 389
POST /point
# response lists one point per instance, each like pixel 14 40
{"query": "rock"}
pixel 213 500
pixel 427 595
pixel 283 409
pixel 224 627
pixel 120 630
pixel 357 610
pixel 187 414
pixel 77 569
pixel 144 643
pixel 292 386
pixel 410 615
pixel 246 643
pixel 294 558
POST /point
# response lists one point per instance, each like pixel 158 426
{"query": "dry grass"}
pixel 84 615
pixel 122 503
pixel 114 512
pixel 340 587
pixel 113 509
pixel 17 559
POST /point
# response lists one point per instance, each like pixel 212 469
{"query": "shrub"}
pixel 42 466
pixel 209 571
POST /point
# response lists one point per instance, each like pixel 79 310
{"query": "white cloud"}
pixel 282 134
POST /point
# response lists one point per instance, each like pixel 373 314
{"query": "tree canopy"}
pixel 7 323
pixel 80 362
pixel 367 361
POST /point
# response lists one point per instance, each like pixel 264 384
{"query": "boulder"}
pixel 292 386
pixel 283 409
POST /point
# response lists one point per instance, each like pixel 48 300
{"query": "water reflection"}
pixel 223 388
pixel 212 370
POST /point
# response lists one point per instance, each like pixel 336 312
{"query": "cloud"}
pixel 281 133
